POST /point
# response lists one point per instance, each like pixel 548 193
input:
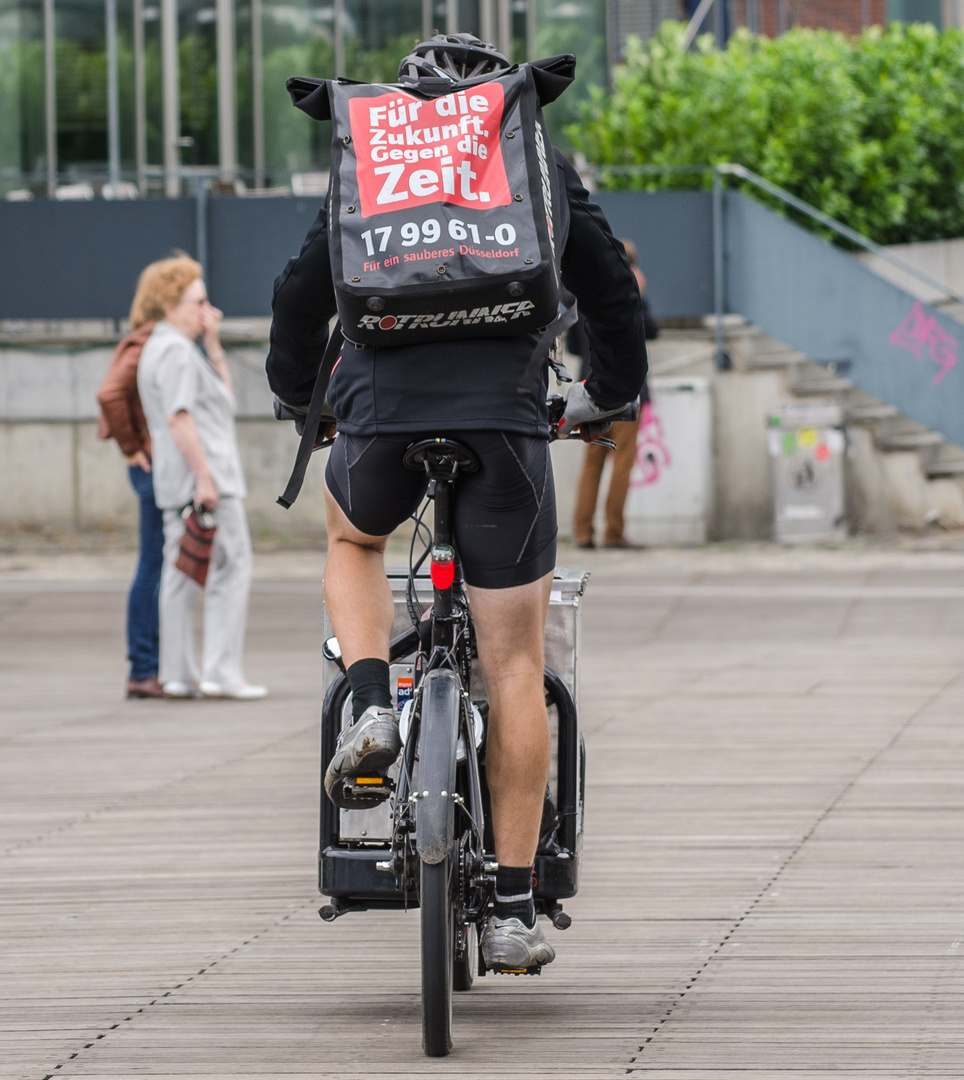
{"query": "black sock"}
pixel 513 894
pixel 370 685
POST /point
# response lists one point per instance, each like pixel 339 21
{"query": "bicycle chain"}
pixel 461 940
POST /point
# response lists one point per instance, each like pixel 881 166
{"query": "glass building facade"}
pixel 134 97
pixel 120 98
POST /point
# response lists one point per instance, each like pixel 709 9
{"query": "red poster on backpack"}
pixel 410 152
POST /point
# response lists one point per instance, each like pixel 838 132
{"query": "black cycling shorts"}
pixel 505 514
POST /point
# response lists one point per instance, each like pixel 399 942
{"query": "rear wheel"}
pixel 439 904
pixel 466 933
pixel 466 957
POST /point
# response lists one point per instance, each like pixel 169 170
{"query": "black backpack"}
pixel 417 253
pixel 443 203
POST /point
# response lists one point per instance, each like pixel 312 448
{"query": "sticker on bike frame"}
pixel 403 692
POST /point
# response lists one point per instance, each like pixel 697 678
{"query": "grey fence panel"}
pixel 81 260
pixel 818 299
pixel 249 243
pixel 673 232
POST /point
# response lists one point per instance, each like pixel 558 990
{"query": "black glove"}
pixel 284 411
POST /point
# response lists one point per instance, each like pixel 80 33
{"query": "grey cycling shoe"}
pixel 509 945
pixel 356 775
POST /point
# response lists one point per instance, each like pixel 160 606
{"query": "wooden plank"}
pixel 772 865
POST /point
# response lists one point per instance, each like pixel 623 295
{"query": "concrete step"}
pixel 910 440
pixel 949 468
pixel 821 384
pixel 759 351
pixel 871 414
pixel 945 462
pixel 764 360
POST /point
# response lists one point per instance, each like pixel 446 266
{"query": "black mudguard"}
pixel 437 746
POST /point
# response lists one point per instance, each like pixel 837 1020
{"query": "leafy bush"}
pixel 869 129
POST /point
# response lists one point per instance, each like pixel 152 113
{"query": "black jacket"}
pixel 461 385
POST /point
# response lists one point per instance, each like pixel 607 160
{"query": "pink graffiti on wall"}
pixel 920 331
pixel 652 453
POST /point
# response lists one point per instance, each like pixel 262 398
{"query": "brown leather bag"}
pixel 194 553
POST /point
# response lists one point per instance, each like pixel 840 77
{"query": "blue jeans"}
pixel 142 630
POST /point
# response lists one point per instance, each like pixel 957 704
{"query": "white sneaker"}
pixel 241 692
pixel 176 689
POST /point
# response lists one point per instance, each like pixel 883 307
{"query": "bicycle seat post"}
pixel 443 561
pixel 442 459
pixel 443 509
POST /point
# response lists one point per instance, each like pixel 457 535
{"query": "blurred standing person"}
pixel 622 433
pixel 122 418
pixel 189 404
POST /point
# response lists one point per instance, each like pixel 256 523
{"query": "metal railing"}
pixel 740 172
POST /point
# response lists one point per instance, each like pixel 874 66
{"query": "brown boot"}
pixel 144 688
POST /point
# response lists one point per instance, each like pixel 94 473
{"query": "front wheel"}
pixel 438 902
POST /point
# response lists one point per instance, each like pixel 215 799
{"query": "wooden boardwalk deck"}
pixel 774 857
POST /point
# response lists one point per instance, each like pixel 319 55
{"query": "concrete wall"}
pixel 741 475
pixel 56 473
pixel 941 259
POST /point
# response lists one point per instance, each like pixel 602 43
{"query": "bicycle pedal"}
pixel 536 969
pixel 361 792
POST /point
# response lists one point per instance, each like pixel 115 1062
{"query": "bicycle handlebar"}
pixel 286 412
pixel 557 406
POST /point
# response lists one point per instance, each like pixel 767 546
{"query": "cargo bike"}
pixel 420 838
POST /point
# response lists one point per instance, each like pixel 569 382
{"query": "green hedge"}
pixel 869 129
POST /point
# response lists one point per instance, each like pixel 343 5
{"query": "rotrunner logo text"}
pixel 500 313
pixel 411 152
pixel 546 187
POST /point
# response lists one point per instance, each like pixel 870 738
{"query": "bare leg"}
pixel 357 594
pixel 510 624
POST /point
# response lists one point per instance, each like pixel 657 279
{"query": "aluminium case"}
pixel 352 841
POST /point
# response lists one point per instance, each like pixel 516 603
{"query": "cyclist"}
pixel 386 398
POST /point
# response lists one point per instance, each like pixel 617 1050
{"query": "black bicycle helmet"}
pixel 453 57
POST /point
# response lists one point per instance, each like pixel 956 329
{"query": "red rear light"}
pixel 443 566
pixel 443 574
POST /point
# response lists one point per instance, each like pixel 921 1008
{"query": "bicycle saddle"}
pixel 442 459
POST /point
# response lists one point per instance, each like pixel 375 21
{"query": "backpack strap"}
pixel 531 378
pixel 316 411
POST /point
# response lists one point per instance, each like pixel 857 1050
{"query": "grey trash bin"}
pixel 806 444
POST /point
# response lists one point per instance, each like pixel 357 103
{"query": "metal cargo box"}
pixel 561 645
